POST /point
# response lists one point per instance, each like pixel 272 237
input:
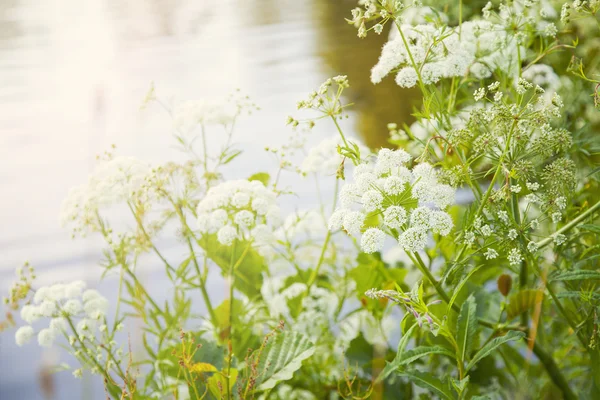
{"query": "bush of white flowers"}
pixel 393 288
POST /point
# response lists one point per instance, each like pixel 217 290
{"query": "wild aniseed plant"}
pixel 391 289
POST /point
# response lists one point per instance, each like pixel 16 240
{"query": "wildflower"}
pixel 226 235
pixel 78 373
pixel 532 247
pixel 469 238
pixel 413 239
pixel 72 307
pixel 372 240
pixel 486 230
pixel 514 257
pixel 232 208
pixel 394 217
pixel 30 313
pixel 512 234
pixel 559 238
pixel 490 254
pixel 46 337
pixel 23 335
pixel 556 217
pixel 353 222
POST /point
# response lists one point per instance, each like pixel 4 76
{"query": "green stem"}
pixel 547 360
pixel 552 370
pixel 570 225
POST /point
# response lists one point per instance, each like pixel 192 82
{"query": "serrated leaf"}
pixel 429 382
pixel 581 274
pixel 281 357
pixel 493 345
pixel 466 328
pixel 523 301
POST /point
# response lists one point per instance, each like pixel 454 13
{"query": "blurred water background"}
pixel 72 77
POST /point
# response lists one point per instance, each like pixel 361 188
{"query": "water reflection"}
pixel 345 53
pixel 73 73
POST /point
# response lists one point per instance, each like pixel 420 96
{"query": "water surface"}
pixel 72 78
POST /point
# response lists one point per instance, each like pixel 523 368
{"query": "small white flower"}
pixel 353 222
pixel 96 308
pixel 559 238
pixel 532 186
pixel 441 222
pixel 514 257
pixel 336 220
pixel 556 217
pixel 58 325
pixel 532 247
pixel 490 254
pixel 534 223
pixel 486 230
pixel 74 289
pixel 72 307
pixel 515 188
pixel 394 185
pixel 30 313
pixel 503 215
pixel 23 335
pixel 47 308
pixel 46 337
pixel 479 94
pixel 91 294
pixel 244 218
pixel 78 373
pixel 394 217
pixel 240 199
pixel 512 234
pixel 372 200
pixel 226 235
pixel 413 239
pixel 420 218
pixel 469 238
pixel 372 240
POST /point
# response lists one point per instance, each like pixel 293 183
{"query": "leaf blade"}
pixel 492 345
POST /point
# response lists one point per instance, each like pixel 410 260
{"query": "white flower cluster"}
pixel 112 181
pixel 59 302
pixel 239 209
pixel 411 203
pixel 480 48
pixel 324 157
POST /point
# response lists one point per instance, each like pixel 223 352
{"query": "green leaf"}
pixel 466 328
pixel 460 285
pixel 429 382
pixel 281 357
pixel 493 345
pixel 421 351
pixel 590 227
pixel 261 177
pixel 217 384
pixel 248 274
pixel 390 367
pixel 581 274
pixel 523 301
pixel 360 351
